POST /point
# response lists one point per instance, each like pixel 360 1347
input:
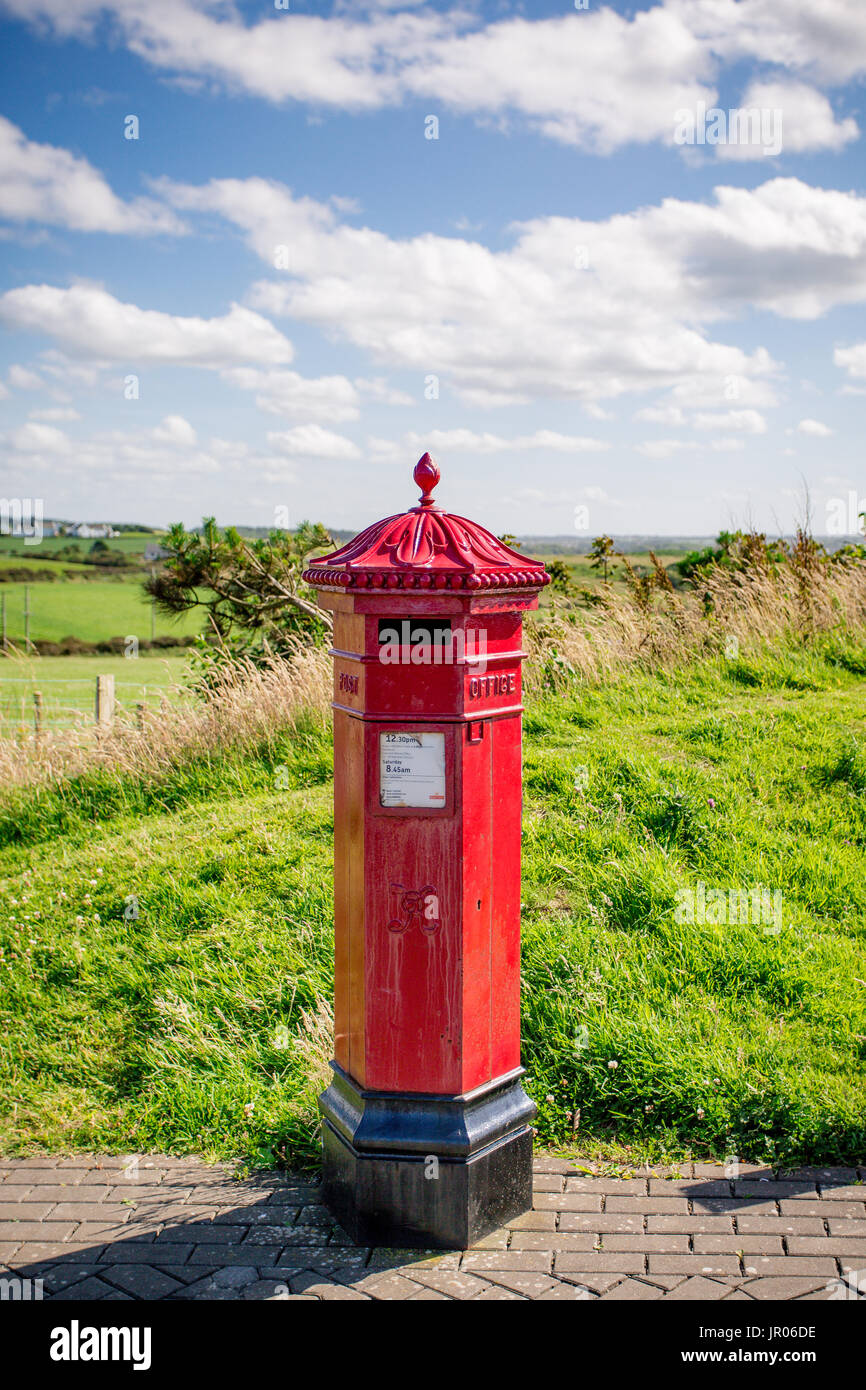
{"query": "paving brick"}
pixel 497 1294
pixel 144 1252
pixel 207 1254
pixel 56 1276
pixel 144 1281
pixel 784 1288
pixel 839 1226
pixel 385 1287
pixel 103 1232
pixel 791 1266
pixel 567 1201
pixel 763 1190
pixel 13 1196
pixel 606 1262
pixel 39 1251
pixel 732 1244
pixel 90 1211
pixel 699 1288
pixel 563 1292
pixel 532 1261
pixel 706 1265
pixel 784 1225
pixel 91 1289
pixel 632 1290
pixel 692 1190
pixel 734 1206
pixel 67 1192
pixel 851 1210
pixel 843 1247
pixel 553 1240
pixel 54 1232
pixel 534 1221
pixel 661 1244
pixel 593 1282
pixel 35 1177
pixel 344 1293
pixel 838 1176
pixel 451 1282
pixel 659 1206
pixel 497 1240
pixel 23 1211
pixel 529 1285
pixel 690 1225
pixel 600 1222
pixel 547 1182
pixel 844 1194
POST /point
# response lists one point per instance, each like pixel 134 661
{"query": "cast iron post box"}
pixel 427 1137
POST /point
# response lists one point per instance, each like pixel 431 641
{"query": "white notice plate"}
pixel 412 769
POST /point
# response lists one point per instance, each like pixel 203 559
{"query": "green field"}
pixel 131 543
pixel 91 611
pixel 68 685
pixel 190 1024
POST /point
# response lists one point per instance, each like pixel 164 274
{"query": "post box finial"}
pixel 426 475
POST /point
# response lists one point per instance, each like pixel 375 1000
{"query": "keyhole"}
pixel 478 904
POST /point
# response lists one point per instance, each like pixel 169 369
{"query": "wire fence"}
pixel 26 702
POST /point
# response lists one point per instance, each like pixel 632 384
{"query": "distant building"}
pixel 92 531
pixel 153 551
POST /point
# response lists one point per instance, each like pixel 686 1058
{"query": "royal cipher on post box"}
pixel 427 1128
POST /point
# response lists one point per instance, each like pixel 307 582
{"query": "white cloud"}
pixel 637 319
pixel 749 421
pixel 174 430
pixel 853 359
pixel 34 438
pixel 814 427
pixel 23 379
pixel 43 183
pixel 596 79
pixel 92 323
pixel 311 441
pixel 290 394
pixel 805 121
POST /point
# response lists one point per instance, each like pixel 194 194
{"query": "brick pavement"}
pixel 152 1227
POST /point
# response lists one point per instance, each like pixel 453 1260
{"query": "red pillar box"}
pixel 427 1137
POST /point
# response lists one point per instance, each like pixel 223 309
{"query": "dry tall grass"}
pixel 244 707
pixel 654 625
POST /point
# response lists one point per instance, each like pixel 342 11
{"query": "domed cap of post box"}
pixel 426 548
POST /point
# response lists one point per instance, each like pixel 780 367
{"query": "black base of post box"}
pixel 422 1171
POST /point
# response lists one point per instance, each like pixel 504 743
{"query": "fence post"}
pixel 3 618
pixel 37 712
pixel 104 699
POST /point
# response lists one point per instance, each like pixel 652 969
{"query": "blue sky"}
pixel 282 292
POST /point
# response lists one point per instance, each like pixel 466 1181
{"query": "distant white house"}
pixel 92 530
pixel 153 551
